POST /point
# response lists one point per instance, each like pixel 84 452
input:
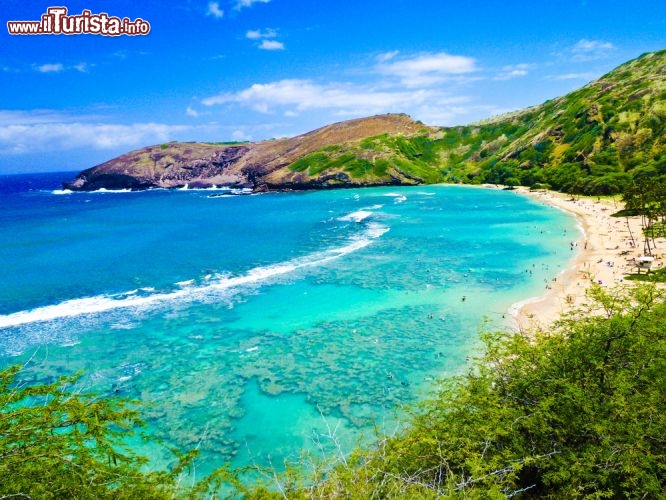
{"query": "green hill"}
pixel 592 141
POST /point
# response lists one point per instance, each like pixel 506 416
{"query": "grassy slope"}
pixel 593 141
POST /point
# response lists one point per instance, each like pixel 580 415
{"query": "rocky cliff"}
pixel 261 166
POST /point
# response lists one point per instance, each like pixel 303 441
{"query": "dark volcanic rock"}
pixel 108 181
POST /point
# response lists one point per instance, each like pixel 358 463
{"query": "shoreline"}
pixel 604 254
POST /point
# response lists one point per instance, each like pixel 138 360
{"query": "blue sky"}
pixel 259 69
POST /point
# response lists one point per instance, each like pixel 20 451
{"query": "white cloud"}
pixel 387 56
pixel 240 135
pixel 513 71
pixel 294 96
pixel 573 76
pixel 61 136
pixel 214 10
pixel 248 3
pixel 271 45
pixel 425 69
pixel 453 113
pixel 50 68
pixel 37 135
pixel 59 67
pixel 393 83
pixel 267 39
pixel 14 117
pixel 590 50
pixel 190 111
pixel 258 34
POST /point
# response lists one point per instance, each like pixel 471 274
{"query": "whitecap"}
pixel 113 191
pixel 376 230
pixel 357 216
pixel 69 343
pixel 188 291
pixel 214 187
pixel 398 198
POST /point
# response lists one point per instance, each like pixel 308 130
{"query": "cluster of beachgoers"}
pixel 609 249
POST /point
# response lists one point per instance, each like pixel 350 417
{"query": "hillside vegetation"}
pixel 592 141
pixel 596 140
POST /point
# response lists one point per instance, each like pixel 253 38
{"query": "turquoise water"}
pixel 258 326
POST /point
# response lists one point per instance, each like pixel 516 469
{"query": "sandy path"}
pixel 604 255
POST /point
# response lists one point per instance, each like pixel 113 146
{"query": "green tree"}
pixel 56 442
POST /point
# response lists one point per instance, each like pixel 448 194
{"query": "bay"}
pixel 258 326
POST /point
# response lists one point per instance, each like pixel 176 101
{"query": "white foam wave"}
pixel 114 191
pixel 357 216
pixel 376 230
pixel 397 197
pixel 214 188
pixel 100 191
pixel 79 307
pixel 188 290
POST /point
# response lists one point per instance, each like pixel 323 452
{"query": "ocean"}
pixel 258 326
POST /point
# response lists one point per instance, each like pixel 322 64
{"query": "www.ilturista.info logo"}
pixel 57 22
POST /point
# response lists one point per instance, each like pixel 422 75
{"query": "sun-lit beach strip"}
pixel 604 253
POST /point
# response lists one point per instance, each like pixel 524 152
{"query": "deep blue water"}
pixel 254 323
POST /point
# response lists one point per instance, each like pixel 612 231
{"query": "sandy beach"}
pixel 604 254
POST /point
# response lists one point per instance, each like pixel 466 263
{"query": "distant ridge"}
pixel 234 164
pixel 594 140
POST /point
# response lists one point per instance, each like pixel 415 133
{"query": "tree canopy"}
pixel 56 442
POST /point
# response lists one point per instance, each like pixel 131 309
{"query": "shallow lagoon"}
pixel 256 324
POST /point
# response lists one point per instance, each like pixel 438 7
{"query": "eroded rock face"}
pixel 261 166
pixel 167 166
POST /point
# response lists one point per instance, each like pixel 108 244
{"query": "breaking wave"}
pixel 185 291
